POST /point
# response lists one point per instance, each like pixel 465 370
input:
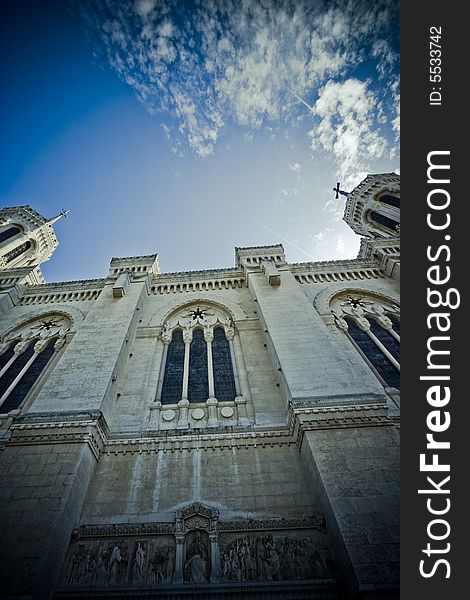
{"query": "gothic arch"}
pixel 234 311
pixel 74 315
pixel 5 227
pixel 323 300
pixel 213 312
pixel 198 361
pixel 372 325
pixel 27 351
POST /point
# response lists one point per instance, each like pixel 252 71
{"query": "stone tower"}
pixel 373 207
pixel 27 240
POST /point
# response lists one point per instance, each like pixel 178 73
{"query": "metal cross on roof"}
pixel 338 191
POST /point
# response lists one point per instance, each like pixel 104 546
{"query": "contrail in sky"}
pixel 310 108
pixel 272 231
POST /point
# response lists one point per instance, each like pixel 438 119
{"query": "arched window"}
pixel 386 338
pixel 173 379
pixel 395 323
pixel 386 222
pixel 28 349
pixel 390 200
pixel 198 361
pixel 21 249
pixel 374 354
pixel 224 381
pixel 6 234
pixel 373 327
pixel 17 381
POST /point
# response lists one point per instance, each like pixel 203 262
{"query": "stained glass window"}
pixel 390 200
pixel 198 386
pixel 386 338
pixel 224 382
pixel 396 323
pixel 172 389
pixel 6 234
pixel 381 363
pixel 383 220
pixel 5 357
pixel 29 378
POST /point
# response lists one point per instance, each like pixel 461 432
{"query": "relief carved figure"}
pixel 139 570
pixel 273 558
pixel 117 565
pixel 197 565
pixel 162 565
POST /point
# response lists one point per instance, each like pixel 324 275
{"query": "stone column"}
pixel 187 338
pixel 215 575
pixel 364 324
pixel 18 349
pixel 178 572
pixel 161 375
pixel 212 402
pixel 183 404
pixel 242 415
pixel 208 337
pixel 154 414
pixel 230 334
pixel 38 348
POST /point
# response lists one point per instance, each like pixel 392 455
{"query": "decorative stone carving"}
pixel 40 345
pixel 119 562
pixel 202 314
pixel 273 524
pixel 274 558
pixel 187 551
pixel 362 309
pixel 227 412
pixel 166 334
pixel 197 413
pixel 162 564
pixel 197 559
pixel 43 328
pixel 168 415
pixel 20 347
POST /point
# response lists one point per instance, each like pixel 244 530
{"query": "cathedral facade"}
pixel 228 433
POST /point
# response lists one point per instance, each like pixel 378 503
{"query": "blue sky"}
pixel 176 127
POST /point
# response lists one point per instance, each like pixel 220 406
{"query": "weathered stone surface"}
pixel 289 485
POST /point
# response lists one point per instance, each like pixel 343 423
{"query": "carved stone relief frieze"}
pixel 275 557
pixel 198 548
pixel 120 562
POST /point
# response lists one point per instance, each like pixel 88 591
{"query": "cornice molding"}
pixel 91 428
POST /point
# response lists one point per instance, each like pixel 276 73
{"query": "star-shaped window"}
pixel 198 313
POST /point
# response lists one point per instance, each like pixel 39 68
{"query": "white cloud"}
pixel 340 245
pixel 144 7
pixel 291 192
pixel 295 167
pixel 346 126
pixel 209 63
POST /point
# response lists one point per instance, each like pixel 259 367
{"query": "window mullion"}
pixel 187 337
pixel 8 364
pixel 230 335
pixel 208 337
pixel 38 348
pixel 377 342
pixel 161 376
